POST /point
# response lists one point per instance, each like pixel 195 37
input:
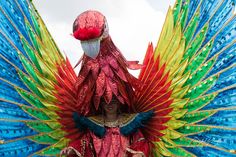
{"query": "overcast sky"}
pixel 132 23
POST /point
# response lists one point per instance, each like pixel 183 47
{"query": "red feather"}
pixel 87 33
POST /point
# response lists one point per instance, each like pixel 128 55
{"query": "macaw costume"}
pixel 181 104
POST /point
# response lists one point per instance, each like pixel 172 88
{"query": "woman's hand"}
pixel 67 151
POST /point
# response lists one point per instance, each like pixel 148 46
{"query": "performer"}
pixel 111 142
pixel 108 76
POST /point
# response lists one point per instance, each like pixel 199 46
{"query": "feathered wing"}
pixel 189 81
pixel 36 85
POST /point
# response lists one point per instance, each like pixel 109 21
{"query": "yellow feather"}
pixel 175 124
pixel 180 92
pixel 176 113
pixel 162 149
pixel 179 103
pixel 52 114
pixel 166 34
pixel 172 46
pixel 171 134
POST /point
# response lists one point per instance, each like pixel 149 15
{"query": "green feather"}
pixel 54 149
pixel 197 116
pixel 177 151
pixel 30 84
pixel 33 38
pixel 43 139
pixel 28 67
pixel 201 88
pixel 187 142
pixel 184 13
pixel 36 113
pixel 42 127
pixel 193 129
pixel 31 99
pixel 199 59
pixel 200 73
pixel 176 10
pixel 31 55
pixel 199 103
pixel 58 134
pixel 196 44
pixel 191 29
pixel 51 151
pixel 36 25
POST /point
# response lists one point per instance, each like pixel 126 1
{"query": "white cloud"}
pixel 132 23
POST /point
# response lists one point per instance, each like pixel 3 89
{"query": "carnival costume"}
pixel 182 104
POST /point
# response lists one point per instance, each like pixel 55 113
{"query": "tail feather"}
pixel 19 148
pixel 224 99
pixel 221 16
pixel 225 59
pixel 7 92
pixel 16 16
pixel 225 37
pixel 225 139
pixel 193 6
pixel 207 10
pixel 209 152
pixel 226 79
pixel 224 118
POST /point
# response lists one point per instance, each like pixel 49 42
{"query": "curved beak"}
pixel 91 47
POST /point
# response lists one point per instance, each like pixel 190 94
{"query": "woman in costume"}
pixel 106 135
pixel 186 84
pixel 113 134
pixel 105 67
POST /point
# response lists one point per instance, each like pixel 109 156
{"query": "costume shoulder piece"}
pixel 124 119
pixel 134 122
pixel 128 123
pixel 83 123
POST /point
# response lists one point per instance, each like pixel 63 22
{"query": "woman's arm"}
pixel 80 148
pixel 139 146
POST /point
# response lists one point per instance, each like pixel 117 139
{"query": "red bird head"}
pixel 90 28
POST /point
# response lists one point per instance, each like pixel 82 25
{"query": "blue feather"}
pixel 8 105
pixel 226 79
pixel 13 113
pixel 11 33
pixel 9 73
pixel 208 152
pixel 10 53
pixel 83 123
pixel 218 137
pixel 223 99
pixel 224 118
pixel 219 19
pixel 13 130
pixel 136 123
pixel 20 148
pixel 207 9
pixel 16 17
pixel 193 5
pixel 225 59
pixel 24 5
pixel 224 38
pixel 7 92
